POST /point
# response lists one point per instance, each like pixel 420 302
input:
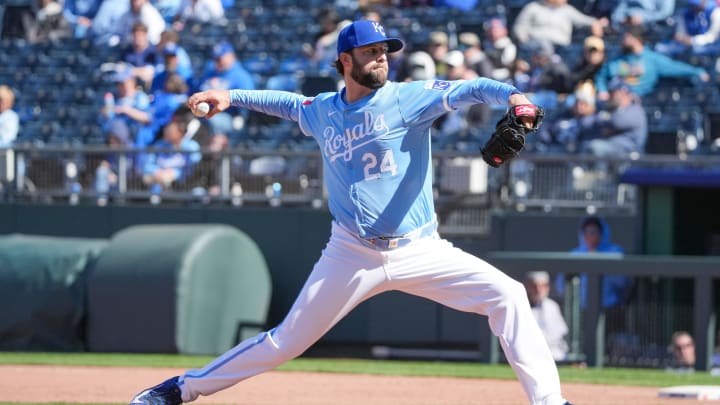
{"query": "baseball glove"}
pixel 509 137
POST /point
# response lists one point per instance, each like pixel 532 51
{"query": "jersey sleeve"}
pixel 282 104
pixel 427 100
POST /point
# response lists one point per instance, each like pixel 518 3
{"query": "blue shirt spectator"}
pixel 130 106
pixel 181 152
pixel 563 133
pixel 168 9
pixel 104 26
pixel 145 12
pixel 636 12
pixel 80 14
pixel 225 73
pixel 641 68
pixel 698 28
pixel 594 237
pixel 164 48
pixel 141 54
pixel 164 104
pixel 9 121
pixel 171 56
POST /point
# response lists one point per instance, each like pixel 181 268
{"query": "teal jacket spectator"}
pixel 641 68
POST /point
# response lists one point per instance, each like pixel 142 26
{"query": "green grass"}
pixel 612 376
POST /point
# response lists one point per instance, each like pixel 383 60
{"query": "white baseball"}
pixel 202 109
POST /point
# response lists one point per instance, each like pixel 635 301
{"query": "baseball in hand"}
pixel 202 109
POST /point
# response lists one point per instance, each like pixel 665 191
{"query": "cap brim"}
pixel 394 44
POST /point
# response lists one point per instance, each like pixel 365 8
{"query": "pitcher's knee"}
pixel 511 293
pixel 282 351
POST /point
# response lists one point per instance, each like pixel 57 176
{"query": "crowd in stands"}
pixel 599 67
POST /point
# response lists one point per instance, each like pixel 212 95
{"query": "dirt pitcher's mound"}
pixel 118 385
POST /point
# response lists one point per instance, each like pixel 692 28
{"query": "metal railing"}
pixel 467 191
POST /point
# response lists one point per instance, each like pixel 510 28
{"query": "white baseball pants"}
pixel 349 273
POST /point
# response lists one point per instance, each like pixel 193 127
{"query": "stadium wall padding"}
pixel 291 240
pixel 43 291
pixel 177 288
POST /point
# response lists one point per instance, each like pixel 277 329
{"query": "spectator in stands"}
pixel 201 11
pixel 418 65
pixel 164 103
pixel 321 50
pixel 117 136
pixel 130 107
pixel 164 168
pixel 207 173
pixel 47 24
pixel 697 29
pixel 80 14
pixel 600 8
pixel 562 132
pixel 455 124
pixel 184 65
pixel 641 68
pixel 475 59
pixel 458 69
pixel 145 12
pixel 171 66
pixel 104 28
pixel 545 72
pixel 547 313
pixel 642 12
pixel 437 48
pixel 552 21
pixel 682 348
pixel 621 130
pixel 225 72
pixel 592 60
pixel 168 9
pixel 500 49
pixel 594 238
pixel 141 55
pixel 9 121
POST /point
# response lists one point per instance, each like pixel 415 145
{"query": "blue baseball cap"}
pixel 617 83
pixel 170 49
pixel 122 74
pixel 221 49
pixel 365 32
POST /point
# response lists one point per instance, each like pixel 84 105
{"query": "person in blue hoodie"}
pixel 641 68
pixel 594 237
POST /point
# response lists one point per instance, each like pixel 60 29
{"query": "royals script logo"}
pixel 344 143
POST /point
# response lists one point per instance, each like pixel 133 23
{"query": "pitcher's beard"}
pixel 373 79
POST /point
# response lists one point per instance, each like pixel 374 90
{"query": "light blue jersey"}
pixel 376 150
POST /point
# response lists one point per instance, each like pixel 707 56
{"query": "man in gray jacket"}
pixel 621 129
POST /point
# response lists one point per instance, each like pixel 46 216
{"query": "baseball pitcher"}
pixel 374 137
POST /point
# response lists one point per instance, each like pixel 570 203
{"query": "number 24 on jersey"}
pixel 387 164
